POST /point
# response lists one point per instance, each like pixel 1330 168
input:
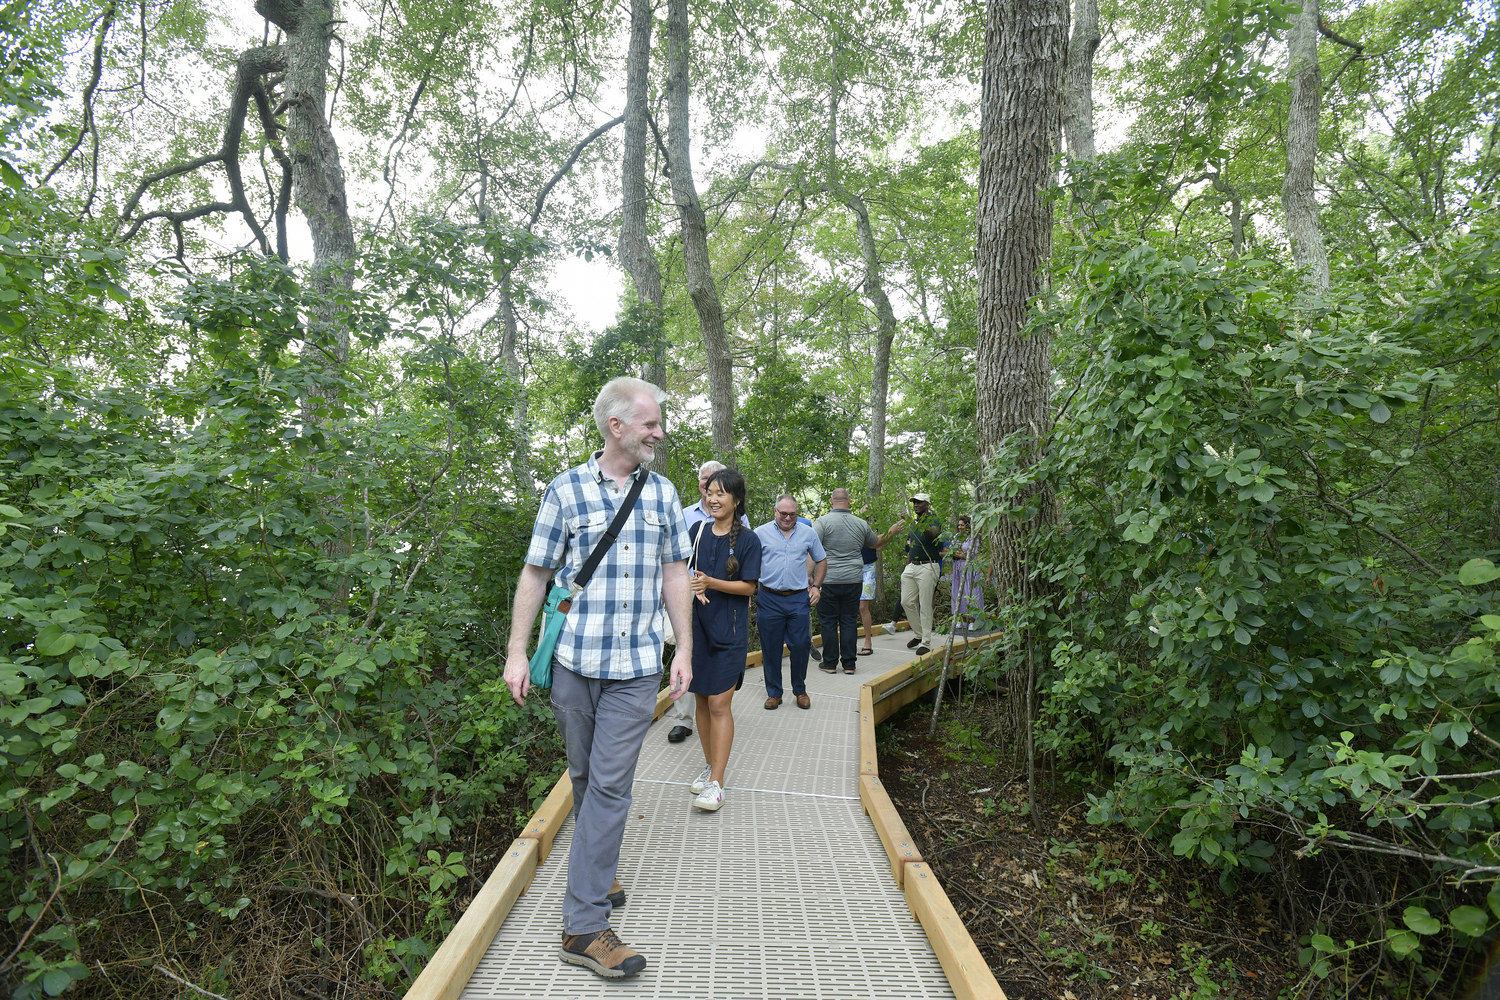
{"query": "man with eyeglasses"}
pixel 785 599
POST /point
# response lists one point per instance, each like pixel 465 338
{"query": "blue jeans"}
pixel 783 620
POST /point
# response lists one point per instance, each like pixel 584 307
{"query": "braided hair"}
pixel 731 482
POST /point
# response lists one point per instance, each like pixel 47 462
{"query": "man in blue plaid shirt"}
pixel 607 666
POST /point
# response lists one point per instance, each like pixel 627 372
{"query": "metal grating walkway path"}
pixel 786 892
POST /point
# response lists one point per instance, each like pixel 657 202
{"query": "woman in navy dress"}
pixel 723 569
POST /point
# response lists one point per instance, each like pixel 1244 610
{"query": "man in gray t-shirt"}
pixel 843 534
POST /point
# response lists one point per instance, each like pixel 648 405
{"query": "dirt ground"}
pixel 1060 909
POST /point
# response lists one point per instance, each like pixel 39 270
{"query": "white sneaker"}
pixel 973 626
pixel 701 782
pixel 711 799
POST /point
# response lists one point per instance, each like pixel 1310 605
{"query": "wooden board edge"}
pixel 448 973
pixel 549 817
pixel 869 760
pixel 900 849
pixel 967 972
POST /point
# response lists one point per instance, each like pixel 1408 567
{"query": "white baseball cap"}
pixel 924 497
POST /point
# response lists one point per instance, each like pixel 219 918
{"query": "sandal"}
pixel 867 652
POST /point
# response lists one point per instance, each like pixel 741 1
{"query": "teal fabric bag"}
pixel 560 599
pixel 553 613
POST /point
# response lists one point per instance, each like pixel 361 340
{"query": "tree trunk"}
pixel 700 279
pixel 874 289
pixel 1025 47
pixel 1298 200
pixel 318 190
pixel 317 175
pixel 520 459
pixel 1078 103
pixel 636 253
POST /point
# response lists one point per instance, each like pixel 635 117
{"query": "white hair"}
pixel 710 467
pixel 618 399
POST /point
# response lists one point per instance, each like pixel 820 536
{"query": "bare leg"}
pixel 721 731
pixel 705 728
pixel 864 613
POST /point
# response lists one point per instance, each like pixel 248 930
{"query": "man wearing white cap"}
pixel 924 560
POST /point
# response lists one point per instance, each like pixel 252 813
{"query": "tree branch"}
pixel 541 196
pixel 87 126
pixel 1384 534
pixel 249 68
pixel 1334 36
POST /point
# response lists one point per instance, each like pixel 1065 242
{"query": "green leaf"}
pixel 55 981
pixel 1379 412
pixel 1401 943
pixel 53 641
pixel 1477 571
pixel 1419 920
pixel 1470 920
pixel 1323 943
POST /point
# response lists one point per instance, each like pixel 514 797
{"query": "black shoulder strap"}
pixel 612 532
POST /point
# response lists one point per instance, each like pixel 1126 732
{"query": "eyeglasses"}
pixel 786 513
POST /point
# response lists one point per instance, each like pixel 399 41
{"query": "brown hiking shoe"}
pixel 616 895
pixel 602 953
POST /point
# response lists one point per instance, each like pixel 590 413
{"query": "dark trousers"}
pixel 838 607
pixel 783 620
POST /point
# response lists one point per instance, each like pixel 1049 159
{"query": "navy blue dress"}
pixel 721 628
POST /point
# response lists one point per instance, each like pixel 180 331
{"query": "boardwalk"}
pixel 786 892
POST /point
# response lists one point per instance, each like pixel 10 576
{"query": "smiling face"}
pixel 920 506
pixel 638 436
pixel 718 503
pixel 786 515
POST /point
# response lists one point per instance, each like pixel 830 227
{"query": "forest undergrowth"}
pixel 1062 908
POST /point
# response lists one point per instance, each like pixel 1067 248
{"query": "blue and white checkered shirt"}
pixel 611 631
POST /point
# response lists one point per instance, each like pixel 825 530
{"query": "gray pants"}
pixel 603 724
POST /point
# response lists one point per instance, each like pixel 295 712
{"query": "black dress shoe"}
pixel 678 734
pixel 816 654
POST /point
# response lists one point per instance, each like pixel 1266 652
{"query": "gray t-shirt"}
pixel 843 535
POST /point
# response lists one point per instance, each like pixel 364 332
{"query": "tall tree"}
pixel 1298 199
pixel 874 289
pixel 694 226
pixel 317 173
pixel 636 254
pixel 1078 102
pixel 1020 121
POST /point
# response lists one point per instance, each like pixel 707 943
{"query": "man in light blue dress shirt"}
pixel 786 596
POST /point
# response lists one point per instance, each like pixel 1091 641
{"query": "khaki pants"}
pixel 918 581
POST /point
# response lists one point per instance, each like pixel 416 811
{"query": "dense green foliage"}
pixel 252 603
pixel 226 623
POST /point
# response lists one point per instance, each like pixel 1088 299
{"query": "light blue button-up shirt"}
pixel 783 560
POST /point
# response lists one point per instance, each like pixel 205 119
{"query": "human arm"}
pixel 678 596
pixel 881 540
pixel 703 582
pixel 531 590
pixel 815 588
